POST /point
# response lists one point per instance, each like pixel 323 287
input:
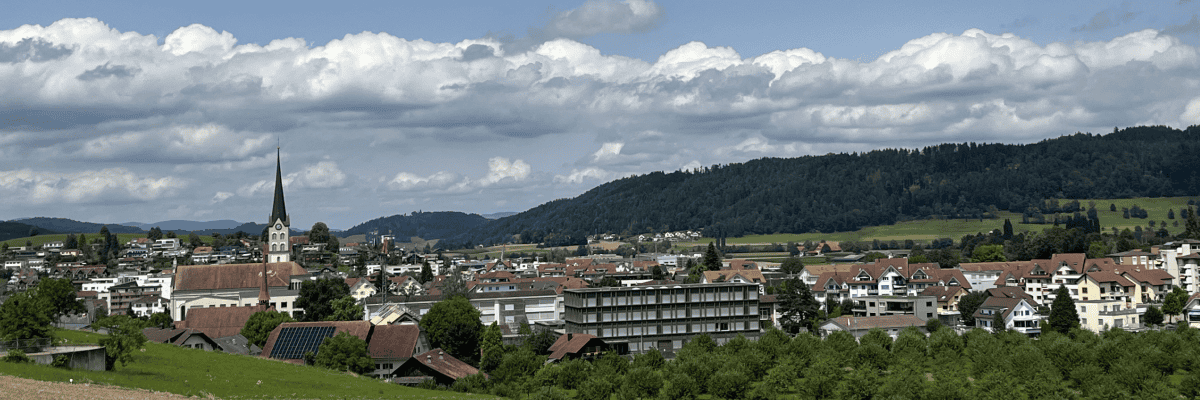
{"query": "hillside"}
pixel 73 226
pixel 845 192
pixel 185 225
pixel 13 230
pixel 427 225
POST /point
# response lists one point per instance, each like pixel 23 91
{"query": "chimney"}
pixel 428 359
pixel 568 337
pixel 440 355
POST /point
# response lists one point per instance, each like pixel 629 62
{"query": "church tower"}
pixel 280 249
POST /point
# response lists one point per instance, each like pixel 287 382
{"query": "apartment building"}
pixel 923 307
pixel 1101 314
pixel 636 319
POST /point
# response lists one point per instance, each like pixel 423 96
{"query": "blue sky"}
pixel 146 111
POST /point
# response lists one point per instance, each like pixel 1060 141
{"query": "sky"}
pixel 148 111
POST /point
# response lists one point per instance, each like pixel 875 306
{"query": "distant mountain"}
pixel 848 191
pixel 250 228
pixel 426 225
pixel 72 226
pixel 498 215
pixel 184 225
pixel 13 230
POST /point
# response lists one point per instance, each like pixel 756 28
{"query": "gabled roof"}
pixel 394 341
pixel 234 276
pixel 1011 292
pixel 728 275
pixel 1108 276
pixel 1075 261
pixel 572 344
pixel 1005 304
pixel 176 336
pixel 444 364
pixel 742 265
pixel 1149 276
pixel 943 293
pixel 219 321
pixel 360 329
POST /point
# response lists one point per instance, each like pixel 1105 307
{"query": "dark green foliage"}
pixel 539 342
pixel 1063 315
pixel 161 320
pixel 317 297
pixel 345 309
pixel 597 388
pixel 260 325
pixel 1153 316
pixel 729 383
pixel 491 347
pixel 968 304
pixel 58 295
pixel 932 325
pixel 797 306
pixel 24 316
pixel 712 259
pixel 1174 302
pixel 877 337
pixel 17 356
pixel 61 361
pixel 425 225
pixel 344 352
pixel 792 265
pixel 640 383
pixel 516 366
pixel 652 359
pixel 453 325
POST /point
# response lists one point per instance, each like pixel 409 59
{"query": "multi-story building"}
pixel 887 277
pixel 923 307
pixel 1019 314
pixel 1182 260
pixel 502 307
pixel 636 319
pixel 1101 314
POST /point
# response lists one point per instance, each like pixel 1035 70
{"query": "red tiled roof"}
pixel 571 344
pixel 393 341
pixel 444 363
pixel 234 276
pixel 219 321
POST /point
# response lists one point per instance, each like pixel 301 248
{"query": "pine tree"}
pixel 712 260
pixel 1063 315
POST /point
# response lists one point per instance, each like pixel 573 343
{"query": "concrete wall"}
pixel 82 357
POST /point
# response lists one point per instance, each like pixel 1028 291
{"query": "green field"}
pixel 925 230
pixel 192 372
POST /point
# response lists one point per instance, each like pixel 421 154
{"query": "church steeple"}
pixel 279 210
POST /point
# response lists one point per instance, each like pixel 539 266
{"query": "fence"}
pixel 25 345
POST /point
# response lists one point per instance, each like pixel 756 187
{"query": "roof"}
pixel 219 321
pixel 393 341
pixel 571 344
pixel 234 276
pixel 1108 276
pixel 445 364
pixel 727 275
pixel 1006 304
pixel 1012 292
pixel 278 209
pixel 883 322
pixel 361 329
pixel 942 293
pixel 175 336
pixel 1149 276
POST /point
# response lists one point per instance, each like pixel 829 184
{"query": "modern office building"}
pixel 636 319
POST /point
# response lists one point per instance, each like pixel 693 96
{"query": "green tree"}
pixel 426 273
pixel 1063 315
pixel 344 352
pixel 988 253
pixel 320 234
pixel 24 316
pixel 58 295
pixel 161 320
pixel 124 336
pixel 317 297
pixel 1153 316
pixel 491 347
pixel 792 266
pixel 453 325
pixel 194 240
pixel 712 259
pixel 1191 228
pixel 346 309
pixel 968 304
pixel 1174 301
pixel 797 306
pixel 1097 249
pixel 154 234
pixel 260 325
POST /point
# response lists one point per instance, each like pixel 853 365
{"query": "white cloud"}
pixel 322 175
pixel 96 186
pixel 221 196
pixel 501 171
pixel 578 176
pixel 605 16
pixel 183 143
pixel 608 151
pixel 1191 113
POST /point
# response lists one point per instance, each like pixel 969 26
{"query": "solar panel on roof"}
pixel 294 342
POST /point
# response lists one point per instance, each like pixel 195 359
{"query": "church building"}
pixel 279 248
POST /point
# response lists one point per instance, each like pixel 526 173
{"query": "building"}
pixel 190 338
pixel 923 307
pixel 279 248
pixel 859 326
pixel 1019 314
pixel 1103 314
pixel 236 285
pixel 502 307
pixel 636 319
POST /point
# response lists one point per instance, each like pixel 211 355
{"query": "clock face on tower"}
pixel 278 226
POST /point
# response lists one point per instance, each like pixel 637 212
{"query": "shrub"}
pixel 729 383
pixel 17 356
pixel 61 361
pixel 476 383
pixel 679 386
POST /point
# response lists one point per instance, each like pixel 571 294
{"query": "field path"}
pixel 12 387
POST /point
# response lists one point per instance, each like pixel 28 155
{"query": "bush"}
pixel 61 361
pixel 679 386
pixel 17 356
pixel 597 388
pixel 476 383
pixel 729 383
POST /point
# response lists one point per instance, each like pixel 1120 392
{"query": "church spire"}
pixel 278 210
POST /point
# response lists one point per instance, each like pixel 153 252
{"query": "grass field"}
pixel 192 372
pixel 926 230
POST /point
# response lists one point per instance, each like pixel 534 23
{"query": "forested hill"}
pixel 426 225
pixel 844 192
pixel 73 226
pixel 12 230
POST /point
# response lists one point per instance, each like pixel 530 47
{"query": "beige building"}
pixel 1100 315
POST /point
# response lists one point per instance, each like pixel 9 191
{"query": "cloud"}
pixel 607 151
pixel 33 50
pixel 104 71
pixel 1190 27
pixel 579 176
pixel 1102 21
pixel 322 175
pixel 501 172
pixel 221 196
pixel 87 187
pixel 605 16
pixel 180 143
pixel 1191 113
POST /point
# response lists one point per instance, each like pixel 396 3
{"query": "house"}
pixel 1191 311
pixel 220 322
pixel 291 340
pixel 234 285
pixel 146 306
pixel 1019 314
pixel 1102 314
pixel 576 345
pixel 736 276
pixel 947 298
pixel 886 276
pixel 434 364
pixel 391 345
pixel 189 338
pixel 859 326
pixel 922 307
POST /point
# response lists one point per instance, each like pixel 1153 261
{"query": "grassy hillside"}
pixel 121 237
pixel 925 230
pixel 191 372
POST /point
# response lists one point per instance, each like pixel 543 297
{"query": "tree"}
pixel 798 308
pixel 1008 229
pixel 968 304
pixel 453 325
pixel 1153 316
pixel 316 297
pixel 1174 302
pixel 161 320
pixel 988 253
pixel 71 242
pixel 656 273
pixel 58 295
pixel 712 259
pixel 1063 315
pixel 346 309
pixel 426 273
pixel 194 240
pixel 344 352
pixel 998 324
pixel 491 346
pixel 25 316
pixel 792 266
pixel 320 234
pixel 154 234
pixel 260 325
pixel 1191 228
pixel 124 335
